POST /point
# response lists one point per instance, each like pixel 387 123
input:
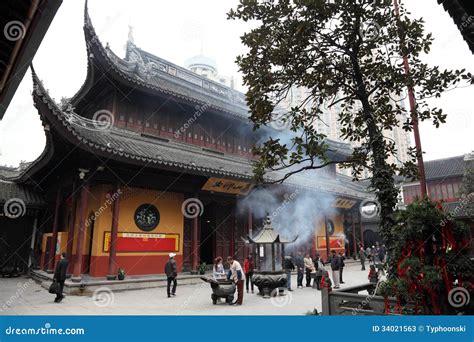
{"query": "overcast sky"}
pixel 177 30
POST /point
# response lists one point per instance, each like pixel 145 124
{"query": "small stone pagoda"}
pixel 270 251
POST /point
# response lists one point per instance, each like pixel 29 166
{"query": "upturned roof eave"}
pixel 103 58
pixel 58 120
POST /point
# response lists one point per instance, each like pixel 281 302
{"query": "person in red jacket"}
pixel 248 270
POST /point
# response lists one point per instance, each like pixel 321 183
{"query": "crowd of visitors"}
pixel 307 268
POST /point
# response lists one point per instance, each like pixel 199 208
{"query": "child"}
pixel 373 275
pixel 373 278
pixel 325 280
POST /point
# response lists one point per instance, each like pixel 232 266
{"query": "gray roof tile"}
pixel 442 168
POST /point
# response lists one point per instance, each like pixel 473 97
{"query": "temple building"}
pixel 149 158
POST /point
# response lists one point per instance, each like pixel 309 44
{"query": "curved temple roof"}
pixel 152 73
pixel 133 147
pixel 125 144
pixel 128 146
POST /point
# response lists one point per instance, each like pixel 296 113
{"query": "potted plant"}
pixel 202 268
pixel 121 274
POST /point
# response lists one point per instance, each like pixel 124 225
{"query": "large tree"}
pixel 344 53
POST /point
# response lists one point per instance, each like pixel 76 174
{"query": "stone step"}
pixel 88 286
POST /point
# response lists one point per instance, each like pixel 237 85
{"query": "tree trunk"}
pixel 382 175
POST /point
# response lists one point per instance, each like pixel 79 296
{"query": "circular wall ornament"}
pixel 147 217
pixel 330 226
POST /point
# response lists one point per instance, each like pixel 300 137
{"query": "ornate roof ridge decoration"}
pixel 157 74
pixel 88 82
pixel 138 69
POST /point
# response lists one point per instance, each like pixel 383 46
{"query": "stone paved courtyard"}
pixel 21 296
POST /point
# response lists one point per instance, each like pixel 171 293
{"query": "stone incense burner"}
pixel 269 276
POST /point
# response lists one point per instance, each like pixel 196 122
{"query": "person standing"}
pixel 237 275
pixel 218 272
pixel 171 271
pixel 60 276
pixel 289 267
pixel 320 269
pixel 381 256
pixel 368 253
pixel 372 255
pixel 342 267
pixel 248 269
pixel 335 268
pixel 299 263
pixel 362 258
pixel 309 268
pixel 373 278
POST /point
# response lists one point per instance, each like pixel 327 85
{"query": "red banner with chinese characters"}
pixel 334 242
pixel 143 242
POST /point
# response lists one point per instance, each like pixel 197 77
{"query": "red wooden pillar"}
pixel 328 247
pixel 71 226
pixel 194 244
pixel 54 236
pixel 113 236
pixel 414 117
pixel 80 234
pixel 354 240
pixel 232 235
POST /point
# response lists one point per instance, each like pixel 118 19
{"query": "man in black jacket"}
pixel 171 271
pixel 289 267
pixel 335 267
pixel 60 276
pixel 341 269
pixel 299 263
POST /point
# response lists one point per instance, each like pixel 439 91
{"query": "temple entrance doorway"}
pixel 208 233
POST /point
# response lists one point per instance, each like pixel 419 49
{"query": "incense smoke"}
pixel 297 212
